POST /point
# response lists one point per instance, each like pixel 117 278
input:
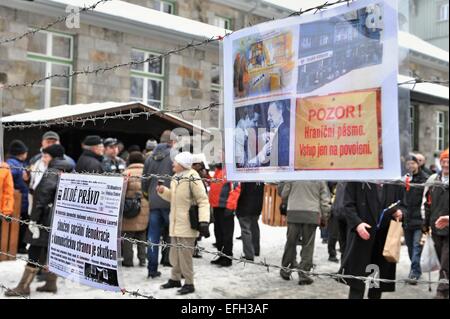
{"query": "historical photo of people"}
pixel 262 135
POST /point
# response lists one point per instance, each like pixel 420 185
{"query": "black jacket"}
pixel 337 208
pixel 436 205
pixel 43 200
pixel 362 204
pixel 89 162
pixel 250 201
pixel 413 202
pixel 159 163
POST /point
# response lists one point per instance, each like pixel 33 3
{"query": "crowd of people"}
pixel 354 214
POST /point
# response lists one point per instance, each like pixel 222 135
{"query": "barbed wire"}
pixel 212 180
pixel 124 291
pixel 51 24
pixel 15 292
pixel 95 71
pixel 130 115
pixel 263 263
pixel 193 44
pixel 319 8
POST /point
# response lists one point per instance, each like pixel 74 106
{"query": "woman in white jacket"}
pixel 185 190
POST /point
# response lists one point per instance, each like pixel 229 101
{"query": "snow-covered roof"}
pixel 436 90
pixel 84 111
pixel 147 16
pixel 414 43
pixel 294 5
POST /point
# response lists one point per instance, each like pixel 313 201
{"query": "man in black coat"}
pixel 249 208
pixel 337 228
pixel 412 221
pixel 41 214
pixel 363 207
pixel 91 159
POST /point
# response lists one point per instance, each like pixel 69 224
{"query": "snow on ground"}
pixel 238 281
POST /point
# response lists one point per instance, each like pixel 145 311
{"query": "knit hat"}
pixel 412 158
pixel 136 158
pixel 92 140
pixel 55 150
pixel 151 144
pixel 444 155
pixel 17 147
pixel 134 148
pixel 184 159
pixel 200 158
pixel 50 135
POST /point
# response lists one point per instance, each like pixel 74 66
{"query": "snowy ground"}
pixel 238 281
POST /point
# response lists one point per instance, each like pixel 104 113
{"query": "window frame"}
pixel 49 61
pixel 170 3
pixel 441 7
pixel 440 126
pixel 227 20
pixel 149 76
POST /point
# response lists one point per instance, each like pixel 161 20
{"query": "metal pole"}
pixel 3 81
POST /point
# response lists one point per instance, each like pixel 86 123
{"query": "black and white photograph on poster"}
pixel 262 135
pixel 100 274
pixel 333 47
pixel 85 230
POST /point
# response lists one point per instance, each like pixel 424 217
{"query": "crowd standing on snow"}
pixel 158 209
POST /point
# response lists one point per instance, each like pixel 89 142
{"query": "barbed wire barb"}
pixel 60 19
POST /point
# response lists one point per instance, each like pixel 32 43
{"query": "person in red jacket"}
pixel 6 189
pixel 223 198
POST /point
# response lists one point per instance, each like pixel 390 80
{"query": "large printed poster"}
pixel 84 243
pixel 314 97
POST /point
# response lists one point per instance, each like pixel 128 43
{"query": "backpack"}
pixel 132 206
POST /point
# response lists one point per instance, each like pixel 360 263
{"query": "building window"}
pixel 443 12
pixel 440 131
pixel 147 79
pixel 215 84
pixel 221 22
pixel 164 6
pixel 412 125
pixel 49 53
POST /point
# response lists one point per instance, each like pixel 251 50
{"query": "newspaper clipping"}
pixel 84 244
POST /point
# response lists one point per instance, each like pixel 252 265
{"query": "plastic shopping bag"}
pixel 429 260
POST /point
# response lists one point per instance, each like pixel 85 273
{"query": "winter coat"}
pixel 250 200
pixel 307 202
pixel 43 200
pixel 159 163
pixel 179 196
pixel 362 204
pixel 6 190
pixel 140 222
pixel 436 205
pixel 413 202
pixel 89 162
pixel 337 206
pixel 113 165
pixel 38 156
pixel 19 183
pixel 223 194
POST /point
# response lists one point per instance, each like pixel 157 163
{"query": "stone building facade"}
pixel 188 79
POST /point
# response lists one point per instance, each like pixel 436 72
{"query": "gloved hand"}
pixel 34 229
pixel 203 228
pixel 425 229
